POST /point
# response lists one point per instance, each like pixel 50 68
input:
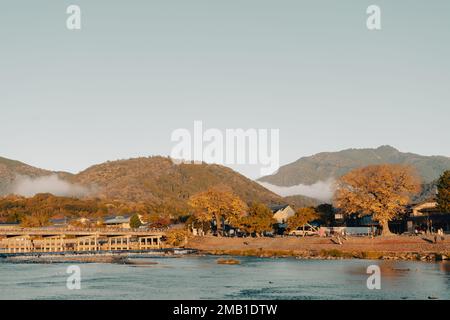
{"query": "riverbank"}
pixel 385 248
pixel 85 257
pixel 413 248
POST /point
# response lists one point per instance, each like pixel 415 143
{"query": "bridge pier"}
pixel 88 243
pixel 119 243
pixel 148 243
pixel 24 240
pixel 18 244
pixel 53 244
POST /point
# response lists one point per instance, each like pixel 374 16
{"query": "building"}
pixel 425 215
pixel 282 212
pixel 59 221
pixel 121 222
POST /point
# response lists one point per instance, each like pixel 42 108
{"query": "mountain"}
pixel 152 179
pixel 300 201
pixel 158 179
pixel 326 165
pixel 10 169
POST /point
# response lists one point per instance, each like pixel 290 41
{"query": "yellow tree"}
pixel 218 204
pixel 302 216
pixel 379 190
pixel 258 220
pixel 36 219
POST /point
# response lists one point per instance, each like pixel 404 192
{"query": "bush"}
pixel 176 237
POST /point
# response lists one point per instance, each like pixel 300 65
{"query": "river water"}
pixel 194 277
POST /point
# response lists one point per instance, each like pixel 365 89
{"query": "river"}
pixel 200 277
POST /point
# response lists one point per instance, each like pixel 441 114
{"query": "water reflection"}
pixel 253 278
pixel 444 266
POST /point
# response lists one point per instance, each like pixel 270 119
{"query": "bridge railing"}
pixel 77 229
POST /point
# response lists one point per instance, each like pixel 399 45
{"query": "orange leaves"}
pixel 381 190
pixel 302 216
pixel 217 204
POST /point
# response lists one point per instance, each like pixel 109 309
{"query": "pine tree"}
pixel 135 222
pixel 443 196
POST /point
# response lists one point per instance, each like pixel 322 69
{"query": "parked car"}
pixel 302 233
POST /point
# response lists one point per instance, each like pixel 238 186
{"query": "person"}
pixel 441 234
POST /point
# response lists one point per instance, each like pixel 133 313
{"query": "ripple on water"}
pixel 201 277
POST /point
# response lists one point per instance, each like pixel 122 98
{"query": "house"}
pixel 121 222
pixel 282 212
pixel 59 221
pixel 425 215
pixel 9 225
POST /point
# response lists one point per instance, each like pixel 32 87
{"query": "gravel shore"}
pixel 387 248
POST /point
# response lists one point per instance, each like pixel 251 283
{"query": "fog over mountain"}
pixel 28 187
pixel 158 179
pixel 321 190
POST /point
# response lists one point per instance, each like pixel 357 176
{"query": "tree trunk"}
pixel 219 226
pixel 385 228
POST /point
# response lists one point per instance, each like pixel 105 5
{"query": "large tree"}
pixel 218 204
pixel 382 191
pixel 301 217
pixel 443 196
pixel 258 220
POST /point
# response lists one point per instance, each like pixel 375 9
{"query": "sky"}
pixel 138 70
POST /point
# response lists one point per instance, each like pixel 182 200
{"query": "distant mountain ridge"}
pixel 152 179
pixel 157 178
pixel 326 165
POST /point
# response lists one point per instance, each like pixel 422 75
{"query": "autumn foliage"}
pixel 302 216
pixel 38 210
pixel 380 190
pixel 258 220
pixel 219 204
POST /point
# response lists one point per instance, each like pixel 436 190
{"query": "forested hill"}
pixel 156 179
pixel 326 165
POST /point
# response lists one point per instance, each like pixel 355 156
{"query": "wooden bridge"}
pixel 23 240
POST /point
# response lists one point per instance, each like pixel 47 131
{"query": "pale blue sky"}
pixel 140 69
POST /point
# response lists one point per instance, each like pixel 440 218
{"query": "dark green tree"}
pixel 326 213
pixel 443 196
pixel 135 222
